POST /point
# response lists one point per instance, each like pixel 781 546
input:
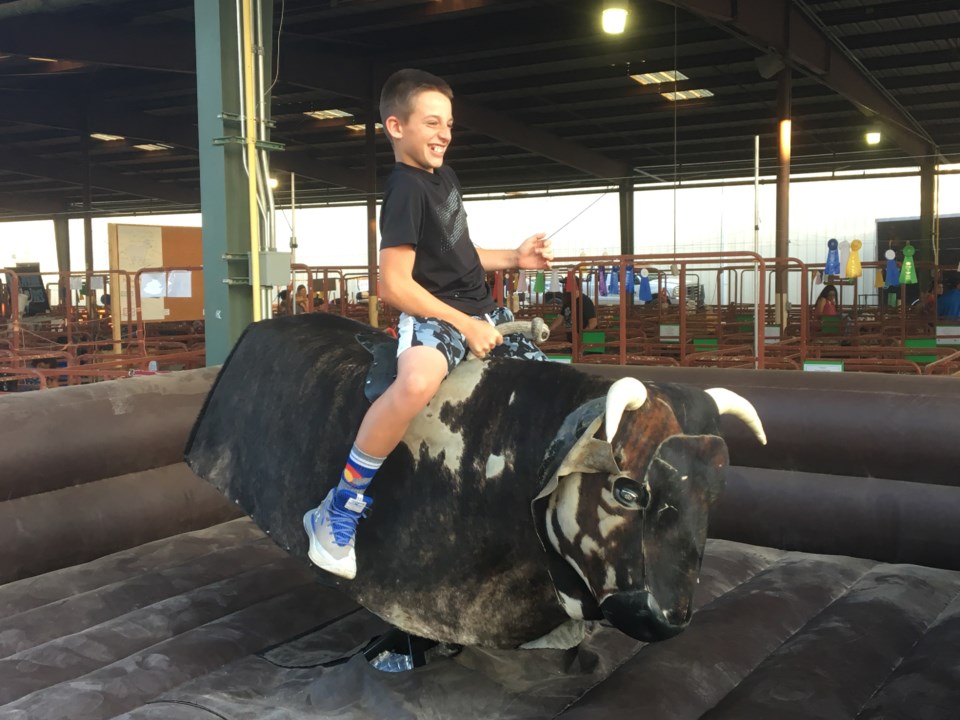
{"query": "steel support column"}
pixel 88 225
pixel 782 250
pixel 371 190
pixel 61 235
pixel 927 213
pixel 626 217
pixel 228 305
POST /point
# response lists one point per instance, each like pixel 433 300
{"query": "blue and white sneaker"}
pixel 332 528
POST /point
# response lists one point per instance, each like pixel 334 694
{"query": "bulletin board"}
pixel 169 296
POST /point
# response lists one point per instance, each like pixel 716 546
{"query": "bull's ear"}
pixel 729 403
pixel 588 455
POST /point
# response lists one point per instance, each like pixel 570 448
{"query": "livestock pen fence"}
pixel 719 310
pixel 713 318
pixel 706 310
pixel 67 329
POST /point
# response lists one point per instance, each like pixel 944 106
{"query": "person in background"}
pixel 52 381
pixel 282 305
pixel 23 303
pixel 948 304
pixel 301 301
pixel 570 310
pixel 826 302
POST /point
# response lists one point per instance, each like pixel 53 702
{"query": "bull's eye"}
pixel 630 493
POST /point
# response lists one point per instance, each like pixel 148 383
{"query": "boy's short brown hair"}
pixel 400 89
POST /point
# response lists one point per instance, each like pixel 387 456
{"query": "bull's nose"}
pixel 638 614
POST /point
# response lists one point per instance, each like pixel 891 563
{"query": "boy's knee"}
pixel 418 386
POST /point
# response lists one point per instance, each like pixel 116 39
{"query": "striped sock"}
pixel 359 470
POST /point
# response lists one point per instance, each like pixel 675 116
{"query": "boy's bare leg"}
pixel 420 370
pixel 331 527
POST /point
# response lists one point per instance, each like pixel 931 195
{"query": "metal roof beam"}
pixel 13 160
pixel 117 120
pixel 31 203
pixel 84 41
pixel 352 79
pixel 300 64
pixel 782 27
pixel 551 146
pixel 21 8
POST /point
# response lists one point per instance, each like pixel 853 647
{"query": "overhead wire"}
pixel 276 74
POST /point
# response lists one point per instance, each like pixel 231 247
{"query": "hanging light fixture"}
pixel 872 137
pixel 614 16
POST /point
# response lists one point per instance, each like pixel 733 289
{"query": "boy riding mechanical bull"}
pixel 517 500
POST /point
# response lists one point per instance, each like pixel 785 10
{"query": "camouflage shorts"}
pixel 443 336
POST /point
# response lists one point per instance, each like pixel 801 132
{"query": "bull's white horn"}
pixel 729 403
pixel 625 394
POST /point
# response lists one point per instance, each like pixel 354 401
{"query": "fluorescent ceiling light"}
pixel 873 137
pixel 105 137
pixel 687 94
pixel 361 126
pixel 153 147
pixel 42 59
pixel 614 17
pixel 658 78
pixel 331 114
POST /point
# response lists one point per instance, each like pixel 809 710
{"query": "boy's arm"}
pixel 398 289
pixel 534 253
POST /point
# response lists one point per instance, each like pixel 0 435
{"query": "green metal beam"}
pixel 228 308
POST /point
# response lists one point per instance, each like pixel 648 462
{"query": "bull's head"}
pixel 628 511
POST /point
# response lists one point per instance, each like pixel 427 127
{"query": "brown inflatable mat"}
pixel 240 631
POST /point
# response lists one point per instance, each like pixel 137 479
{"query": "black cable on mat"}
pixel 188 703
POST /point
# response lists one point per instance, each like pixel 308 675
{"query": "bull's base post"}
pixel 401 643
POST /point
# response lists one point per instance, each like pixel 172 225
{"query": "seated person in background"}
pixel 52 381
pixel 826 302
pixel 302 300
pixel 948 305
pixel 23 303
pixel 282 306
pixel 663 297
pixel 568 312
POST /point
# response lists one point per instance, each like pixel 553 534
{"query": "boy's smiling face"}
pixel 422 139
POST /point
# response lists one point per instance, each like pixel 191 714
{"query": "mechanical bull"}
pixel 526 495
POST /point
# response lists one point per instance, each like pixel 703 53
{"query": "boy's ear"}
pixel 393 127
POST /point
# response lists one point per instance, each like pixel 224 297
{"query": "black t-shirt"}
pixel 425 210
pixel 589 310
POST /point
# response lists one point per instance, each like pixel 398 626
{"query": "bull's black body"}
pixel 450 550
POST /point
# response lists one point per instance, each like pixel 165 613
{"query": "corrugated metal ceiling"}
pixel 540 69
